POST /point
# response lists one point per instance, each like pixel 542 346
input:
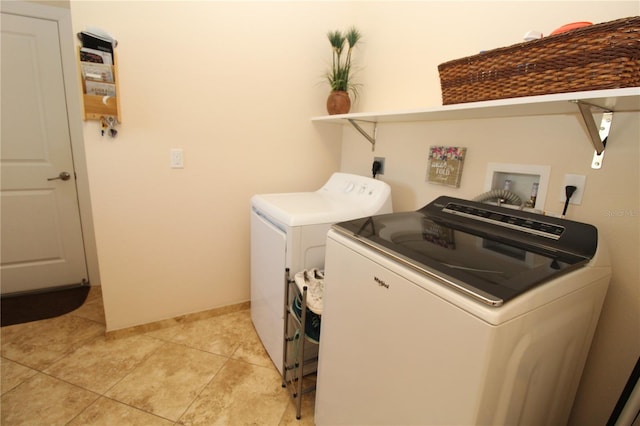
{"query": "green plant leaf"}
pixel 339 77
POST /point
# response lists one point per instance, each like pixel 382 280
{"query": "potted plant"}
pixel 339 76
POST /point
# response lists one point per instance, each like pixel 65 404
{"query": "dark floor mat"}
pixel 41 305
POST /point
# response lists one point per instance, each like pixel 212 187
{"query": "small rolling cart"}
pixel 298 373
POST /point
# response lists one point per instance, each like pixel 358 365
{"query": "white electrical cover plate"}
pixel 177 159
pixel 577 181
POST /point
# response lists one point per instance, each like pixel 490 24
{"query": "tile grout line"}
pixel 201 390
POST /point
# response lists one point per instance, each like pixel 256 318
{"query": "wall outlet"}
pixel 177 161
pixel 579 182
pixel 381 160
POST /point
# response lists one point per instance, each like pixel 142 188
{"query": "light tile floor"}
pixel 215 371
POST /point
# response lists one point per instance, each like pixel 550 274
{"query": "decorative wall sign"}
pixel 445 165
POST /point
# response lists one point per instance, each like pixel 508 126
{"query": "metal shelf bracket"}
pixel 371 139
pixel 598 135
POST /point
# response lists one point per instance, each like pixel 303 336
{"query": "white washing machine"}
pixel 457 314
pixel 289 230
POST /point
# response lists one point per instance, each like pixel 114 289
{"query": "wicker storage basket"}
pixel 601 56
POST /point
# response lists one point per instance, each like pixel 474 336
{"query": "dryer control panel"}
pixel 356 186
pixel 343 197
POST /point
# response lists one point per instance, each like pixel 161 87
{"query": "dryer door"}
pixel 268 255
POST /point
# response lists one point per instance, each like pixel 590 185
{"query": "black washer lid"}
pixel 490 253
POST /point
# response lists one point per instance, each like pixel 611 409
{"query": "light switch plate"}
pixel 177 161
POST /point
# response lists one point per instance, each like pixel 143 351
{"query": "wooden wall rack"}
pixel 97 107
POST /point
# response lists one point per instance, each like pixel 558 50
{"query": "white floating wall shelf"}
pixel 609 101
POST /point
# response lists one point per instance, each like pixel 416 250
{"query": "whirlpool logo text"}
pixel 380 282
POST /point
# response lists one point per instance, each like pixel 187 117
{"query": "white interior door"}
pixel 42 243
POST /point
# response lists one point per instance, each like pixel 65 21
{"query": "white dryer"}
pixel 289 230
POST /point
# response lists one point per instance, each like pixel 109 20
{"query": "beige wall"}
pixel 235 84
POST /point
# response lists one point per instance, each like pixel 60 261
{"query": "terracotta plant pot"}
pixel 338 102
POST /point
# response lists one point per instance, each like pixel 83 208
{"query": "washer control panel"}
pixel 512 221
